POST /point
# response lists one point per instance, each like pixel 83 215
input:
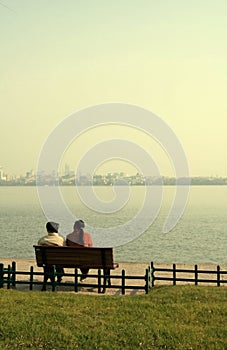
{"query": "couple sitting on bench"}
pixel 78 238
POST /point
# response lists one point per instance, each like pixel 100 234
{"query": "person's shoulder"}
pixel 87 234
pixel 42 239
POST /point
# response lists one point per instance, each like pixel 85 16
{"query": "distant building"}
pixel 2 176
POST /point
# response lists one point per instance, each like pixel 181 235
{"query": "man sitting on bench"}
pixel 79 238
pixel 53 239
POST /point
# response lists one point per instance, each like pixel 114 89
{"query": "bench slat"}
pixel 74 257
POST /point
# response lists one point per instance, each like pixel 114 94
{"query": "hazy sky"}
pixel 168 56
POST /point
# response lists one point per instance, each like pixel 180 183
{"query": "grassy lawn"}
pixel 170 317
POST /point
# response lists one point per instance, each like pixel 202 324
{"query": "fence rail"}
pixel 175 275
pixel 9 277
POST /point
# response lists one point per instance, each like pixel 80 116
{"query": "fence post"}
pixel 196 275
pixel 123 282
pixel 218 276
pixel 147 279
pixel 1 275
pixel 53 278
pixel 152 274
pixel 13 273
pixel 76 281
pixel 174 274
pixel 31 278
pixel 8 277
pixel 99 281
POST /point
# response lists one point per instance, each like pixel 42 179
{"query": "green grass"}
pixel 170 317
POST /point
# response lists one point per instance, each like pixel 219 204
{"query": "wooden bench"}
pixel 73 257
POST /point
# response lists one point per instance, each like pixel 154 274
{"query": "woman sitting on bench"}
pixel 79 238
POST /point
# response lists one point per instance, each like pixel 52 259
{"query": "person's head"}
pixel 52 227
pixel 78 225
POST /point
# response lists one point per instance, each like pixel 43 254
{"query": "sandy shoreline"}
pixel 131 269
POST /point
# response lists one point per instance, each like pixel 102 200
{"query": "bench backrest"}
pixel 96 258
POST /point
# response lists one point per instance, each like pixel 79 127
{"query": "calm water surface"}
pixel 199 237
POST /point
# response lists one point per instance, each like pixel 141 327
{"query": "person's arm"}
pixel 64 242
pixel 90 242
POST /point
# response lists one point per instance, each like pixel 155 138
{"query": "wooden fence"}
pixel 175 275
pixel 9 277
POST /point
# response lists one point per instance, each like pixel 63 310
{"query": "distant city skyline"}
pixel 67 177
pixel 71 170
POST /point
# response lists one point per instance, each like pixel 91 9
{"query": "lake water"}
pixel 199 237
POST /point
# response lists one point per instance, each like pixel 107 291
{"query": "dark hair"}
pixel 52 227
pixel 79 224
